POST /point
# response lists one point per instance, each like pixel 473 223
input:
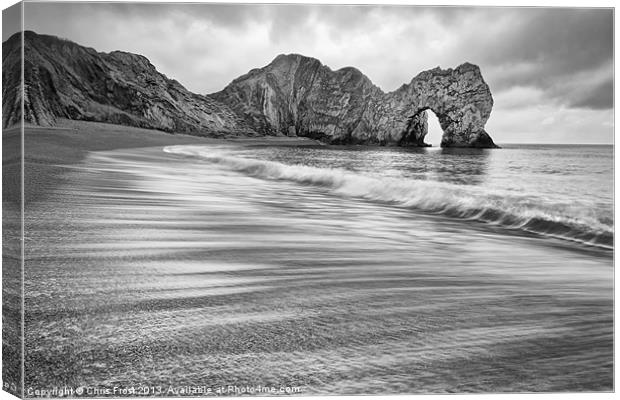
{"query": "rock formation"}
pixel 65 80
pixel 297 94
pixel 293 95
pixel 11 77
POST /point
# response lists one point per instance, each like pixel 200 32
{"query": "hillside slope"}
pixel 66 80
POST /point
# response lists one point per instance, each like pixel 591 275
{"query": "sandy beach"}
pixel 148 268
pixel 48 149
pixel 50 153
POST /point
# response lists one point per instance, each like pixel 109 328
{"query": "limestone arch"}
pixel 459 98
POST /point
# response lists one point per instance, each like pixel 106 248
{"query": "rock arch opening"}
pixel 426 128
pixel 459 98
pixel 434 132
pixel 423 129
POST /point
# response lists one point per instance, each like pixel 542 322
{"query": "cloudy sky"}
pixel 550 69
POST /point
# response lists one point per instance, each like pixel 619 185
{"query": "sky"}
pixel 550 70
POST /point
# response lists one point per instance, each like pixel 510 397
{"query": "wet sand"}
pixel 11 256
pixel 49 149
pixel 140 272
pixel 50 153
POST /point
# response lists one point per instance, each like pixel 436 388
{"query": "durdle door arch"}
pixel 460 99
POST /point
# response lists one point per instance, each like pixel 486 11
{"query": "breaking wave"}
pixel 509 210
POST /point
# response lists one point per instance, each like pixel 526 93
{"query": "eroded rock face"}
pixel 297 93
pixel 65 80
pixel 293 96
pixel 11 76
pixel 459 97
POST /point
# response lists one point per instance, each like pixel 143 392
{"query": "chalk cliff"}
pixel 293 95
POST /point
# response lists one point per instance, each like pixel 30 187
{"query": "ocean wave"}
pixel 513 211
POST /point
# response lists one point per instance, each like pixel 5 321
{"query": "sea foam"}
pixel 501 208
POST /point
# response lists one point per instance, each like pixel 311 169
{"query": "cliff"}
pixel 65 80
pixel 293 95
pixel 297 95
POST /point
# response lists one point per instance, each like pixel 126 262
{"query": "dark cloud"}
pixel 549 48
pixel 600 96
pixel 568 39
pixel 563 57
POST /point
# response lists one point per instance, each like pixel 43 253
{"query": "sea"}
pixel 325 270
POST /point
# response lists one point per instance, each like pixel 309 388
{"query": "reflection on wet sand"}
pixel 145 266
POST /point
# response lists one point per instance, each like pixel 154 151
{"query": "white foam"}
pixel 541 216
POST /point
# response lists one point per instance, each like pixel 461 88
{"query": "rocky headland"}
pixel 65 80
pixel 292 96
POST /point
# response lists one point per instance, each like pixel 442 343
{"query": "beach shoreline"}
pixel 233 280
pixel 83 136
pixel 47 150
